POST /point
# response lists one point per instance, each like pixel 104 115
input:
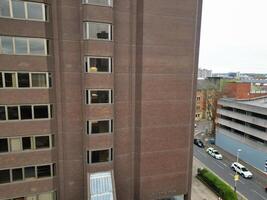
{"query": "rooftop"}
pixel 258 101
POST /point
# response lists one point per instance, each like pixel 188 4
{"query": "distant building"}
pixel 204 73
pixel 245 90
pixel 242 124
pixel 206 99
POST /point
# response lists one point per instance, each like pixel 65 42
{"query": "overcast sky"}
pixel 234 36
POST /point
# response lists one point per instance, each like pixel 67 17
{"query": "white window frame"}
pixel 110 3
pixel 110 155
pixel 27 120
pixel 88 92
pixel 45 41
pixel 87 68
pixel 87 27
pixel 89 125
pixel 44 11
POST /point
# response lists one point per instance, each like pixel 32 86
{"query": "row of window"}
pixel 23 46
pixel 25 80
pixel 99 2
pixel 26 143
pixel 99 156
pixel 27 173
pixel 99 96
pixel 42 196
pixel 23 10
pixel 25 112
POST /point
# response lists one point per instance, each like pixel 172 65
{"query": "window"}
pixel 44 171
pixel 3 145
pixel 12 113
pixel 42 142
pixel 26 112
pixel 23 46
pixel 37 46
pixel 15 144
pixel 36 11
pixel 41 112
pixel 39 80
pixel 29 172
pixel 98 2
pixel 10 80
pixel 4 8
pixel 101 126
pixel 98 31
pixel 99 156
pixel 98 96
pixel 1 80
pixel 6 45
pixel 18 9
pixel 26 143
pixel 23 10
pixel 2 113
pixel 4 176
pixel 17 174
pixel 98 64
pixel 23 80
pixel 46 196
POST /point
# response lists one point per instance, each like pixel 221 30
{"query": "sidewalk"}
pixel 199 190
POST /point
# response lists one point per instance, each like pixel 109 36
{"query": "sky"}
pixel 234 36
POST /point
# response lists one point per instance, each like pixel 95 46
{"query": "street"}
pixel 252 189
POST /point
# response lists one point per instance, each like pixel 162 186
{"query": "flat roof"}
pixel 257 102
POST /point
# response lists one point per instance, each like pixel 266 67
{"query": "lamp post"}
pixel 237 157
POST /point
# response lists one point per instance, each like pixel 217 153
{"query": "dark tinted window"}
pixel 3 145
pixel 100 96
pixel 100 156
pixel 12 112
pixel 26 143
pixel 40 112
pixel 4 176
pixel 17 174
pixel 42 142
pixel 23 80
pixel 29 172
pixel 25 112
pixel 10 79
pixel 2 113
pixel 43 171
pixel 100 127
pixel 1 80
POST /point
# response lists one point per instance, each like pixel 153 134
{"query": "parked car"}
pixel 242 170
pixel 199 143
pixel 214 153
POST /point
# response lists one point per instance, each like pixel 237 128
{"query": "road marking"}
pixel 259 194
pixel 241 182
pixel 222 163
pixel 218 165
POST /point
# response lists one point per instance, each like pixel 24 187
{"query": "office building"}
pixel 97 98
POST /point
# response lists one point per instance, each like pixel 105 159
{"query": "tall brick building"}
pixel 97 98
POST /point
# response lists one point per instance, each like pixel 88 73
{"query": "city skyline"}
pixel 235 41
